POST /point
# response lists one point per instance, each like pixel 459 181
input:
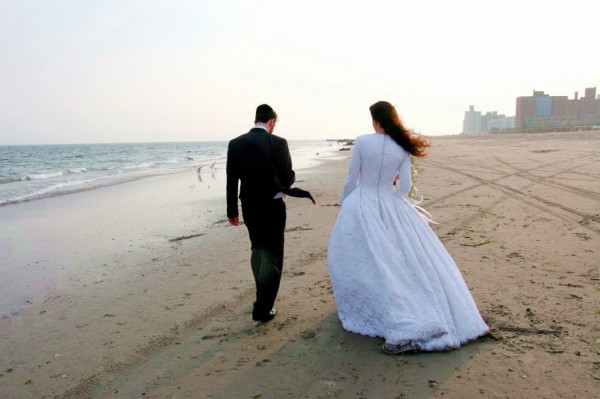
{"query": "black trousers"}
pixel 265 221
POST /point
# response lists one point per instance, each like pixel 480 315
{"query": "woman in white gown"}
pixel 391 275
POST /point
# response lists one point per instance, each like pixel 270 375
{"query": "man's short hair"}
pixel 264 113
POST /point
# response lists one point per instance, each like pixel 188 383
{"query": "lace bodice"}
pixel 376 160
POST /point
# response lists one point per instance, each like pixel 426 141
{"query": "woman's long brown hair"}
pixel 385 113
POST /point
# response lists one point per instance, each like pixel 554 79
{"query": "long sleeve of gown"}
pixel 353 173
pixel 405 181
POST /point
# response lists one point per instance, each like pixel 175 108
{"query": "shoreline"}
pixel 70 177
pixel 173 319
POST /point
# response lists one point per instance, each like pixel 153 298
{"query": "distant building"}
pixel 501 123
pixel 543 105
pixel 525 108
pixel 544 112
pixel 474 122
pixel 560 106
pixel 486 119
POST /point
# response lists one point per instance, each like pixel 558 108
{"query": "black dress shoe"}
pixel 270 317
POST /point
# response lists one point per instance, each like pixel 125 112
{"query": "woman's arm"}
pixel 353 172
pixel 405 181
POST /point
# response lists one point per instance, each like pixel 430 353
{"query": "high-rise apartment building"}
pixel 525 108
pixel 472 121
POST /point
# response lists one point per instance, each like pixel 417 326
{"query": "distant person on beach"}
pixel 391 275
pixel 262 163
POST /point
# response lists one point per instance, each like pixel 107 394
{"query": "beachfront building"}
pixel 494 122
pixel 541 111
pixel 501 123
pixel 472 121
pixel 475 122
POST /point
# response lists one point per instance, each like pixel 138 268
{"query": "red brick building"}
pixel 542 111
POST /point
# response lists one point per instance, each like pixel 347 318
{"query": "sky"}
pixel 88 71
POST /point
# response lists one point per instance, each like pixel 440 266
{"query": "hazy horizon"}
pixel 76 72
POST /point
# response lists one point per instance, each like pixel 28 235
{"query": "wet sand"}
pixel 133 312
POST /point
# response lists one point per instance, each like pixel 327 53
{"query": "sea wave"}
pixel 10 179
pixel 57 189
pixel 150 164
pixel 143 165
pixel 42 176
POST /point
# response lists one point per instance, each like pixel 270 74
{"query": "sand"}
pixel 114 306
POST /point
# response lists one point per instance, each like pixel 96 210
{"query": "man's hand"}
pixel 234 221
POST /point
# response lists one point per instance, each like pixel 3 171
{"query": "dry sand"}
pixel 155 318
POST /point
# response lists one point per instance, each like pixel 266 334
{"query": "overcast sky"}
pixel 77 71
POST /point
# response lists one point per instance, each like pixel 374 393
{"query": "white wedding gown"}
pixel 391 275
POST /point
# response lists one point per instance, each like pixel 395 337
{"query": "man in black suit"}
pixel 262 162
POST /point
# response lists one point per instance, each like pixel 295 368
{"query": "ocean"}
pixel 34 172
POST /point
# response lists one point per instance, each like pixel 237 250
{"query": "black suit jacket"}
pixel 250 159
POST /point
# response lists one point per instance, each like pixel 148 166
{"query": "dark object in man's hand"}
pixel 299 193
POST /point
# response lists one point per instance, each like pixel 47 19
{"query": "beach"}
pixel 145 290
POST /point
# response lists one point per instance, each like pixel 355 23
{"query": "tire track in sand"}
pixel 531 200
